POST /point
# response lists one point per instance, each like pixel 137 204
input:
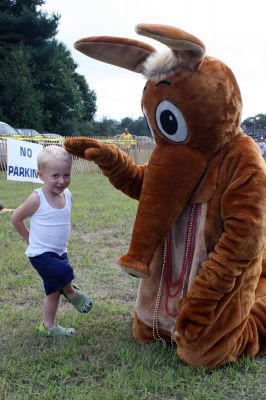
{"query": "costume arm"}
pixel 123 173
pixel 243 211
pixel 115 164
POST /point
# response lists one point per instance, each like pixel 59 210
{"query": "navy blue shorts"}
pixel 54 270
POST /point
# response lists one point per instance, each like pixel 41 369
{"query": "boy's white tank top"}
pixel 49 227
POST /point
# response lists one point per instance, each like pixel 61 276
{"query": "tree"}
pixel 138 127
pixel 255 126
pixel 111 127
pixel 88 97
pixel 104 127
pixel 20 102
pixel 37 73
pixel 23 22
pixel 63 105
pixel 259 119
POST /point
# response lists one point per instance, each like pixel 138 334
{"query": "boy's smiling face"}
pixel 56 176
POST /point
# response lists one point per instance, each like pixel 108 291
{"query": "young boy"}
pixel 48 209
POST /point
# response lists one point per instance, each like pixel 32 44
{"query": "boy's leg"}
pixel 49 326
pixel 53 269
pixel 69 291
pixel 51 303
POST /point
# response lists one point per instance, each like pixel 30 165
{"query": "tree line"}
pixel 258 121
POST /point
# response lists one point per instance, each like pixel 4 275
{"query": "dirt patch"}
pixel 106 234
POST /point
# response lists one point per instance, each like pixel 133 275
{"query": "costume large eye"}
pixel 171 122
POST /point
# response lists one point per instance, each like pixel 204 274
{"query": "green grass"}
pixel 102 361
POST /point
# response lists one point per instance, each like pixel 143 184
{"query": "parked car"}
pixel 29 132
pixel 31 135
pixel 6 131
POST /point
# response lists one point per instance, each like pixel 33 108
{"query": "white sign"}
pixel 22 161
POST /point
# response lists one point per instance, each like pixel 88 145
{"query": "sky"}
pixel 233 31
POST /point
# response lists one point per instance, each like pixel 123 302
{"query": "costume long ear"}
pixel 125 53
pixel 187 48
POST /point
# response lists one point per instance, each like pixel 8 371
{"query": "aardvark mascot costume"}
pixel 200 229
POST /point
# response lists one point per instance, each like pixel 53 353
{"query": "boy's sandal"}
pixel 56 330
pixel 81 302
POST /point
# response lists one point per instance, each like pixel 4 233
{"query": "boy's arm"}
pixel 24 211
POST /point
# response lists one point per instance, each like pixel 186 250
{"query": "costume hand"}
pixel 116 165
pixel 91 149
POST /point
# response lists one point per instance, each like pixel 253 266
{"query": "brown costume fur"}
pixel 203 189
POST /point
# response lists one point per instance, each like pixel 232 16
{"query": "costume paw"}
pixel 91 150
pixel 80 146
pixel 133 267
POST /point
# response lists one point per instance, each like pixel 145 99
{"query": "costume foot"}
pixel 81 302
pixel 133 267
pixel 56 330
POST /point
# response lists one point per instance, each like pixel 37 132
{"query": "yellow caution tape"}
pixel 118 141
pixel 31 138
pixel 44 139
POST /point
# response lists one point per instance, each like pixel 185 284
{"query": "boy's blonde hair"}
pixel 52 153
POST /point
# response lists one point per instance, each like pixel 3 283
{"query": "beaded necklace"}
pixel 166 275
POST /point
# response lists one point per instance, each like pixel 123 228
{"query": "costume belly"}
pixel 172 270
